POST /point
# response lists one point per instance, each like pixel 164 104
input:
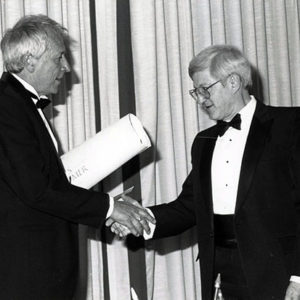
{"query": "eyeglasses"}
pixel 202 91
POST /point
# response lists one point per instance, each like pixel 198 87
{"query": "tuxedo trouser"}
pixel 227 260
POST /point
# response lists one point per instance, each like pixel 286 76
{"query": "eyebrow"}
pixel 202 85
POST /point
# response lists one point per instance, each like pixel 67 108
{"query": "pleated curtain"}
pixel 131 56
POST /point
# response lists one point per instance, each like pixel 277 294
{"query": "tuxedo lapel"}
pixel 15 87
pixel 259 131
pixel 18 92
pixel 207 142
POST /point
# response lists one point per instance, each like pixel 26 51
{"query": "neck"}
pixel 242 99
pixel 26 76
pixel 245 97
pixel 26 84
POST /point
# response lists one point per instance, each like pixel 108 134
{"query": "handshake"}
pixel 129 216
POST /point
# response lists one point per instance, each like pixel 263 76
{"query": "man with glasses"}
pixel 243 192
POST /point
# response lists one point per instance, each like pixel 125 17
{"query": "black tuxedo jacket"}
pixel 39 208
pixel 267 215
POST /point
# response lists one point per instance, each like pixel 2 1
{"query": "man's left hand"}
pixel 293 291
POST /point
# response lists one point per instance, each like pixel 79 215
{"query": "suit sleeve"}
pixel 36 177
pixel 177 216
pixel 295 175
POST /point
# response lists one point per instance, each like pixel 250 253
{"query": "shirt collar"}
pixel 247 112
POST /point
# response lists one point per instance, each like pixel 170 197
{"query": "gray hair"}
pixel 31 35
pixel 221 61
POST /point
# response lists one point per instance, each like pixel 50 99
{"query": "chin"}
pixel 213 117
pixel 212 114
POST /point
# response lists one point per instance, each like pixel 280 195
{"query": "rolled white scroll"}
pixel 102 154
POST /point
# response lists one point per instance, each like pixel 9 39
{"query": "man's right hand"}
pixel 293 291
pixel 132 215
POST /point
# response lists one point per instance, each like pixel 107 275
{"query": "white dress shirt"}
pixel 227 160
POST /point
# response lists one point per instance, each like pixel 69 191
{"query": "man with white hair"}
pixel 39 209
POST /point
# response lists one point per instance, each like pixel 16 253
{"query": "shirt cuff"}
pixel 295 279
pixel 148 236
pixel 111 207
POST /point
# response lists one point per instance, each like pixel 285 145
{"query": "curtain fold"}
pixel 161 80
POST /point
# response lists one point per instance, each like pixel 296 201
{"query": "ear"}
pixel 234 82
pixel 30 63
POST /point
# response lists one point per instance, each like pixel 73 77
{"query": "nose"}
pixel 201 99
pixel 65 66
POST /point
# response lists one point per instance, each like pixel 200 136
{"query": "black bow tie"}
pixel 42 102
pixel 235 123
